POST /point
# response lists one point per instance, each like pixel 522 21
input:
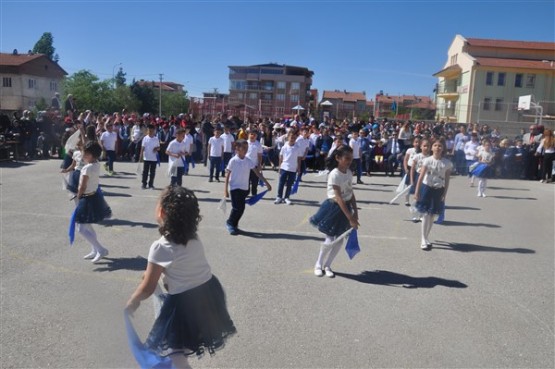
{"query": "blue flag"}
pixel 261 183
pixel 71 231
pixel 295 188
pixel 158 158
pixel 253 200
pixel 222 167
pixel 441 216
pixel 146 358
pixel 352 246
pixel 185 164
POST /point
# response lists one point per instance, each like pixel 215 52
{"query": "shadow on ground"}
pixel 392 279
pixel 129 223
pixel 468 247
pixel 284 236
pixel 112 264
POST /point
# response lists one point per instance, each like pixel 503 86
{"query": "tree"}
pixel 148 103
pixel 45 45
pixel 120 78
pixel 88 91
pixel 174 103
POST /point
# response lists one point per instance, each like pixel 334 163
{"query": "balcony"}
pixel 449 90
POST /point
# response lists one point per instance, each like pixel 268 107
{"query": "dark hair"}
pixel 150 126
pixel 181 215
pixel 93 148
pixel 241 142
pixel 331 161
pixel 179 131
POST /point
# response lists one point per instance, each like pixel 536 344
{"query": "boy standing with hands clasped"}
pixel 237 184
pixel 216 152
pixel 149 149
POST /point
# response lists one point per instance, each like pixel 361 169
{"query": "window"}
pixel 487 103
pixel 253 96
pixel 266 96
pixel 518 80
pixel 32 83
pixel 280 97
pixel 53 86
pixel 454 59
pixel 281 85
pixel 295 86
pixel 501 79
pixel 7 82
pixel 530 80
pixel 240 95
pixel 294 98
pixel 499 104
pixel 268 85
pixel 489 79
pixel 237 85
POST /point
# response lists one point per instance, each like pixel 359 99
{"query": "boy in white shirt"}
pixel 216 152
pixel 255 154
pixel 237 184
pixel 289 164
pixel 228 147
pixel 176 151
pixel 354 142
pixel 108 142
pixel 149 150
pixel 304 144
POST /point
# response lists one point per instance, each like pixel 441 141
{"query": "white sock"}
pixel 333 254
pixel 427 221
pixel 87 231
pixel 180 361
pixel 325 249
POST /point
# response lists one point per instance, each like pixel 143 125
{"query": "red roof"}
pixel 514 63
pixel 18 59
pixel 344 95
pixel 511 44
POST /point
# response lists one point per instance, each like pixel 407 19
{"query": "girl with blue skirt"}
pixel 431 188
pixel 483 170
pixel 338 212
pixel 194 317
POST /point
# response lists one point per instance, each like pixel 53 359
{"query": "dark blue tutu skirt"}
pixel 92 209
pixel 413 187
pixel 330 219
pixel 482 170
pixel 429 200
pixel 192 322
pixel 73 183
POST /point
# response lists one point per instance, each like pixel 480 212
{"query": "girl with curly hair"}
pixel 194 316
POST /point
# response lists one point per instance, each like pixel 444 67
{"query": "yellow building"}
pixel 482 80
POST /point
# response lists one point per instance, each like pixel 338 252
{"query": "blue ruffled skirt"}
pixel 73 183
pixel 92 209
pixel 429 200
pixel 330 219
pixel 482 170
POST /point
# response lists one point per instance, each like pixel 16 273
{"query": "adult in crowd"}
pixel 547 150
pixel 531 141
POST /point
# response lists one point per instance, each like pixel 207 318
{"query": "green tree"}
pixel 174 103
pixel 123 98
pixel 120 78
pixel 89 92
pixel 45 45
pixel 148 103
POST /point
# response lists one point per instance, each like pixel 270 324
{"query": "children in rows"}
pixel 289 167
pixel 108 142
pixel 417 168
pixel 194 317
pixel 228 146
pixel 91 206
pixel 431 189
pixel 338 212
pixel 483 170
pixel 354 143
pixel 408 162
pixel 238 171
pixel 254 153
pixel 216 151
pixel 176 152
pixel 150 147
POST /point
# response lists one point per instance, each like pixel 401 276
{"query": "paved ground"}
pixel 482 297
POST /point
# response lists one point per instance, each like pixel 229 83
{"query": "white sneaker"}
pixel 90 255
pixel 99 256
pixel 479 194
pixel 278 200
pixel 288 202
pixel 483 195
pixel 329 272
pixel 318 272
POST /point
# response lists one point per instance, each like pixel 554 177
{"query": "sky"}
pixel 392 46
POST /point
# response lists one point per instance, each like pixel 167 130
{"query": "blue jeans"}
pixel 215 167
pixel 110 157
pixel 177 180
pixel 238 197
pixel 227 158
pixel 357 164
pixel 285 178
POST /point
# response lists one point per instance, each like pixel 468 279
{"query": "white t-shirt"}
pixel 290 155
pixel 240 172
pixel 188 140
pixel 78 157
pixel 303 144
pixel 417 161
pixel 216 146
pixel 486 157
pixel 435 171
pixel 344 181
pixel 92 171
pixel 108 140
pixel 411 153
pixel 355 145
pixel 176 147
pixel 185 267
pixel 228 142
pixel 255 149
pixel 136 133
pixel 149 144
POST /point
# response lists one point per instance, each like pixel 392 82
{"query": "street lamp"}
pixel 114 73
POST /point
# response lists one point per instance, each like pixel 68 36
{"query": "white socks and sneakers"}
pixel 330 250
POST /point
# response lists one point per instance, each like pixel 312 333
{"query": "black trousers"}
pixel 149 168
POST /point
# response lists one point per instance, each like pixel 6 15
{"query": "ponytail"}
pixel 331 161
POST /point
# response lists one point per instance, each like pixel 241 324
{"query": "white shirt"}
pixel 149 144
pixel 303 144
pixel 417 161
pixel 188 140
pixel 355 145
pixel 228 142
pixel 411 153
pixel 470 150
pixel 108 140
pixel 78 157
pixel 216 146
pixel 92 171
pixel 344 181
pixel 240 171
pixel 436 171
pixel 255 149
pixel 486 157
pixel 290 155
pixel 136 133
pixel 177 148
pixel 185 267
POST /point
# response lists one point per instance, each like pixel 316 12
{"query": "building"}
pixel 28 80
pixel 483 79
pixel 166 86
pixel 345 104
pixel 213 103
pixel 269 90
pixel 405 107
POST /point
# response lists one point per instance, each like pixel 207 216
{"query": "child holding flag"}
pixel 177 149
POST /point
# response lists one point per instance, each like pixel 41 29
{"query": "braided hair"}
pixel 181 215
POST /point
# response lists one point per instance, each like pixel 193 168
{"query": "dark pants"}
pixel 366 161
pixel 237 206
pixel 392 164
pixel 149 167
pixel 110 158
pixel 286 178
pixel 135 150
pixel 227 158
pixel 177 180
pixel 460 163
pixel 547 167
pixel 303 168
pixel 253 181
pixel 357 166
pixel 215 167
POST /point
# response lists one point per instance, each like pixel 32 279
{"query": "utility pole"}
pixel 160 99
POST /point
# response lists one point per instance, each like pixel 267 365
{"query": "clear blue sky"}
pixel 394 46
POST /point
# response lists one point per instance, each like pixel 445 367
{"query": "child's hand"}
pixel 131 306
pixel 226 193
pixel 354 222
pixel 268 186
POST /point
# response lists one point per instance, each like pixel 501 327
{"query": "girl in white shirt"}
pixel 431 188
pixel 289 165
pixel 482 171
pixel 338 212
pixel 194 317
